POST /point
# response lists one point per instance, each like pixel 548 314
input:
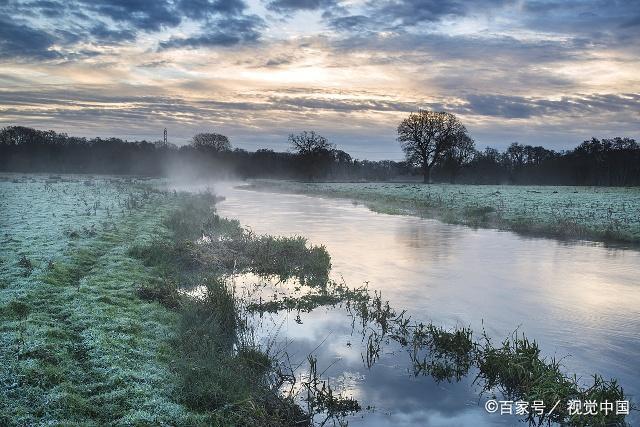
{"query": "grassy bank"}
pixel 604 214
pixel 78 346
pixel 221 372
pixel 98 327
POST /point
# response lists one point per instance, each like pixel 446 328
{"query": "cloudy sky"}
pixel 548 73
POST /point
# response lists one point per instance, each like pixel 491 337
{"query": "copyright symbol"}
pixel 491 406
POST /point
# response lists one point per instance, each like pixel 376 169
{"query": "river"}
pixel 579 300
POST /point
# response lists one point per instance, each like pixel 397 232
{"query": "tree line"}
pixel 437 147
pixel 438 143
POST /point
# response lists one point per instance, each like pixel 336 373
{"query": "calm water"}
pixel 580 301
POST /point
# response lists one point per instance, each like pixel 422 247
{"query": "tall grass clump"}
pixel 222 373
pixel 518 370
pixel 288 257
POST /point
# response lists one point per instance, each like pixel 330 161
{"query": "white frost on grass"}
pixel 603 211
pixel 87 351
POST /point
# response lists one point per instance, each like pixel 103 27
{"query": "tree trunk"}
pixel 426 175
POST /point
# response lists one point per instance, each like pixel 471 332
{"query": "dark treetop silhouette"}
pixel 441 150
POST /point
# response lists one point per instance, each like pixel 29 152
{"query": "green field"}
pixel 610 214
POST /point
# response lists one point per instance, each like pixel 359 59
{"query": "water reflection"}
pixel 581 300
pixel 397 396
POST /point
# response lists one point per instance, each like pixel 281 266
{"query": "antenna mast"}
pixel 165 136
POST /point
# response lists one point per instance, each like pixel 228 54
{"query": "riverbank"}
pixel 603 214
pixel 96 327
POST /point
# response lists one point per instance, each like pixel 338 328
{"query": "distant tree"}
pixel 309 142
pixel 541 155
pixel 342 157
pixel 426 136
pixel 314 152
pixel 609 161
pixel 211 141
pixel 459 154
pixel 614 161
pixel 516 154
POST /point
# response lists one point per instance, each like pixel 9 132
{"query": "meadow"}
pixel 607 214
pixel 76 345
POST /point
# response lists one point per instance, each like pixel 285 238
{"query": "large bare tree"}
pixel 426 136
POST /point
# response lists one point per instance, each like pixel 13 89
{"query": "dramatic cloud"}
pixel 228 32
pixel 521 107
pixel 547 72
pixel 201 9
pixel 142 15
pixel 72 22
pixel 20 41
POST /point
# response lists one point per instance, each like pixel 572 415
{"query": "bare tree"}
pixel 426 136
pixel 315 153
pixel 211 141
pixel 309 142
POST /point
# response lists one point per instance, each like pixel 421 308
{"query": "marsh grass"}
pixel 331 293
pixel 322 399
pixel 516 368
pixel 449 355
pixel 164 292
pixel 287 257
pixel 221 372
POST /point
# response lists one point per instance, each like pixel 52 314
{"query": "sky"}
pixel 550 73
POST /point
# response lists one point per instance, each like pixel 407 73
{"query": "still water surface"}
pixel 580 301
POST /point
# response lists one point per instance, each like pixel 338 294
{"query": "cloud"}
pixel 279 60
pixel 412 12
pixel 140 15
pixel 50 9
pixel 21 41
pixel 604 23
pixel 65 24
pixel 202 9
pixel 289 6
pixel 518 107
pixel 396 15
pixel 101 33
pixel 349 23
pixel 227 32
